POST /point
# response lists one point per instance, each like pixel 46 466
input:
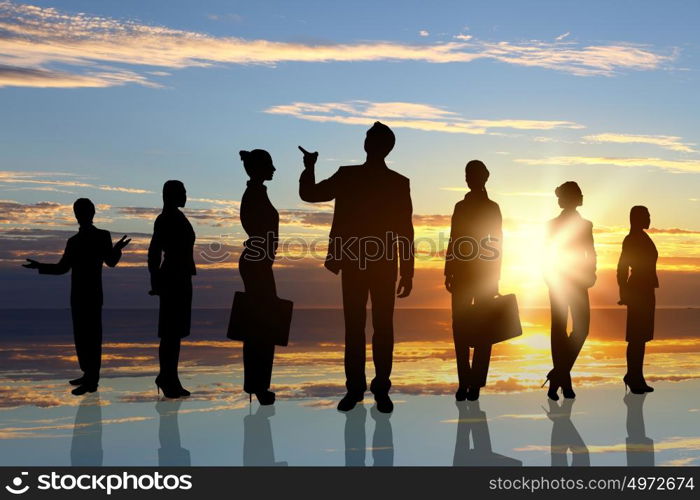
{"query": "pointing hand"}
pixel 31 264
pixel 309 158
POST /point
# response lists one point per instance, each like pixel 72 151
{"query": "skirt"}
pixel 640 316
pixel 175 315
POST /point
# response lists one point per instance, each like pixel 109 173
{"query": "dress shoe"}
pixel 77 381
pixel 349 401
pixel 461 394
pixel 384 403
pixel 83 389
pixel 473 393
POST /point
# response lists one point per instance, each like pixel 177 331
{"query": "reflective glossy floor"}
pixel 513 424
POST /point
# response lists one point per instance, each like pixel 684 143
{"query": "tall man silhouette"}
pixel 84 255
pixel 371 240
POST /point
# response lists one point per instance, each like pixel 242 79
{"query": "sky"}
pixel 108 100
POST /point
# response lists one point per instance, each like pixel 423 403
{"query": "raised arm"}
pixel 114 253
pixel 61 267
pixel 309 189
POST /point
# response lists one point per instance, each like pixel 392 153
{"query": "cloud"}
pixel 692 166
pixel 671 142
pixel 408 115
pixel 562 36
pixel 424 33
pixel 49 179
pixel 36 38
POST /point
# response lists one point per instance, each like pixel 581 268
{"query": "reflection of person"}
pixel 84 255
pixel 371 233
pixel 86 446
pixel 171 264
pixel 640 448
pixel 356 438
pixel 258 450
pixel 171 453
pixel 473 422
pixel 571 267
pixel 260 221
pixel 636 277
pixel 472 271
pixel 565 437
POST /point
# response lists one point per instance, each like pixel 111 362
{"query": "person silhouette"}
pixel 472 421
pixel 640 448
pixel 260 221
pixel 84 256
pixel 372 232
pixel 565 437
pixel 636 277
pixel 171 265
pixel 570 272
pixel 472 271
pixel 171 453
pixel 258 447
pixel 86 445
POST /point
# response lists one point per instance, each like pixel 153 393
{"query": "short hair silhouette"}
pixel 476 174
pixel 84 210
pixel 639 216
pixel 255 162
pixel 380 140
pixel 569 195
pixel 174 193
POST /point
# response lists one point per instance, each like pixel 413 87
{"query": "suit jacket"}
pixel 170 254
pixel 84 255
pixel 571 257
pixel 372 208
pixel 260 220
pixel 474 250
pixel 636 268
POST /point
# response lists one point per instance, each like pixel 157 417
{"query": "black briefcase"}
pixel 489 321
pixel 267 318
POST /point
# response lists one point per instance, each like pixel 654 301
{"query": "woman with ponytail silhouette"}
pixel 260 221
pixel 472 272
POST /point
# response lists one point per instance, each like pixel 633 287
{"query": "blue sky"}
pixel 129 94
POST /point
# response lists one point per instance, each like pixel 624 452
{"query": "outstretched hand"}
pixel 122 243
pixel 309 158
pixel 404 288
pixel 31 264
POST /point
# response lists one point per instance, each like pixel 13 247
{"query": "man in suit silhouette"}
pixel 371 240
pixel 84 255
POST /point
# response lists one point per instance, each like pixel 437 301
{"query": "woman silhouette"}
pixel 260 221
pixel 171 264
pixel 636 277
pixel 472 271
pixel 571 267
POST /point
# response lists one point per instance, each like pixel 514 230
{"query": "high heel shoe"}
pixel 265 397
pixel 646 387
pixel 634 386
pixel 567 388
pixel 553 386
pixel 178 386
pixel 169 391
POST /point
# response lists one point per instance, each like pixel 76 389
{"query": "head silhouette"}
pixel 569 195
pixel 640 217
pixel 379 141
pixel 476 174
pixel 174 194
pixel 258 164
pixel 84 211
